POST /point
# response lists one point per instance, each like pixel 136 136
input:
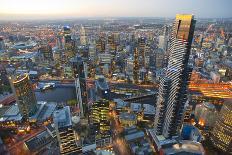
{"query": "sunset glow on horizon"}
pixel 103 8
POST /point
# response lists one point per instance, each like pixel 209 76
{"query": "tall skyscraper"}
pixel 79 72
pixel 82 36
pixel 222 131
pixel 111 42
pixel 136 66
pixel 100 44
pixel 65 135
pixel 67 34
pixel 141 43
pixel 69 44
pixel 79 96
pixel 173 87
pixel 25 96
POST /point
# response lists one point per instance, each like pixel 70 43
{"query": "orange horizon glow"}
pixel 114 8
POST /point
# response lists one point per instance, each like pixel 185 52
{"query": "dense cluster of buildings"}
pixel 138 89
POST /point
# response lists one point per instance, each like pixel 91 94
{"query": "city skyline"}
pixel 25 9
pixel 114 77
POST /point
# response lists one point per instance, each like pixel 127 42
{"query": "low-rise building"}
pixel 127 119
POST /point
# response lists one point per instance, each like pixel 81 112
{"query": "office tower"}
pixel 78 95
pixel 24 94
pixel 100 119
pixel 100 44
pixel 2 44
pixel 92 52
pixel 46 51
pixel 164 39
pixel 65 135
pixel 111 42
pixel 222 131
pixel 161 42
pixel 113 67
pixel 173 87
pixel 79 72
pixel 67 34
pixel 60 41
pixel 159 59
pixel 82 36
pixel 100 112
pixel 136 66
pixel 69 44
pixel 141 43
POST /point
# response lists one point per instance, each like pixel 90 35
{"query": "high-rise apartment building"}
pixel 222 131
pixel 65 135
pixel 25 97
pixel 173 87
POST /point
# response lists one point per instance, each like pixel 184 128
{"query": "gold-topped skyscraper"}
pixel 173 87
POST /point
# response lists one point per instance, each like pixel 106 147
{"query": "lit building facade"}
pixel 100 44
pixel 136 66
pixel 25 96
pixel 64 132
pixel 100 119
pixel 141 43
pixel 69 44
pixel 222 131
pixel 171 102
pixel 111 42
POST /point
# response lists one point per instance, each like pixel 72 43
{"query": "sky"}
pixel 114 8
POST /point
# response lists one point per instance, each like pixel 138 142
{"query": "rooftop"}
pixel 127 116
pixel 38 141
pixel 134 136
pixel 62 117
pixel 44 111
pixel 101 82
pixel 185 147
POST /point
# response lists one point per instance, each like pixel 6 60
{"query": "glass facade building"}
pixel 173 88
pixel 65 135
pixel 25 97
pixel 222 131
